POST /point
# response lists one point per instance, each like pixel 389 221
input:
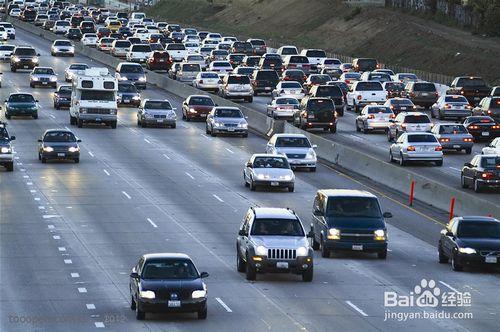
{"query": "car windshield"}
pixel 62 43
pixel 258 42
pixel 64 89
pixel 288 50
pixel 59 136
pixel 122 43
pixel 287 101
pixel 291 85
pixel 480 119
pixel 270 162
pixel 204 101
pixel 380 77
pixel 317 105
pixel 381 109
pixel 6 47
pixel 221 64
pixel 369 86
pixel 328 91
pixel 422 139
pixel 490 162
pixel 195 58
pixel 141 48
pixel 238 80
pixel 127 88
pixel 452 129
pixel 352 76
pixel 132 69
pixel 332 62
pixel 348 207
pixel 473 81
pixel 401 102
pixel 236 57
pixel 45 71
pixel 428 87
pixel 495 103
pixel 408 76
pixel 267 75
pixel 245 71
pixel 395 86
pixel 228 113
pixel 479 229
pixel 176 47
pixel 97 95
pixel 209 75
pixel 78 67
pixel 25 51
pixel 316 53
pixel 4 135
pixel 320 78
pixel 456 99
pixel 158 104
pixel 299 59
pixel 191 67
pixel 417 119
pixel 277 227
pixel 293 142
pixel 21 99
pixel 170 269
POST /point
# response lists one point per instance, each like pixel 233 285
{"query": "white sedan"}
pixel 374 117
pixel 292 89
pixel 493 147
pixel 221 67
pixel 89 39
pixel 282 108
pixel 267 170
pixel 416 147
pixel 3 34
pixel 62 47
pixel 207 80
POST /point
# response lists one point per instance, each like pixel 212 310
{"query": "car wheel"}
pixel 477 186
pixel 245 135
pixel 382 254
pixel 462 182
pixel 7 116
pixel 389 137
pixel 333 130
pixel 72 120
pixel 9 166
pixel 402 161
pixel 468 151
pixel 173 126
pixel 391 157
pixel 206 130
pixel 240 263
pixel 252 185
pixel 325 253
pixel 307 276
pixel 35 116
pixel 291 188
pixel 44 160
pixel 202 314
pixel 39 156
pixel 455 265
pixel 139 314
pixel 212 133
pixel 132 303
pixel 315 244
pixel 79 123
pixel 251 272
pixel 357 127
pixel 77 160
pixel 439 163
pixel 13 69
pixel 441 256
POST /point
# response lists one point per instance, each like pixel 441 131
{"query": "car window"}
pixel 292 142
pixel 421 139
pixel 455 99
pixel 191 67
pixel 479 229
pixel 134 69
pixel 466 82
pixel 277 227
pixel 228 113
pixel 97 95
pixel 376 110
pixel 417 119
pixel 176 47
pixel 59 136
pixel 425 87
pixel 452 129
pixel 287 101
pixel 490 162
pixel 127 88
pixel 209 75
pixel 45 71
pixel 201 101
pixel 298 59
pixel 158 104
pixel 353 207
pixel 317 105
pixel 238 80
pixel 21 98
pixel 266 75
pixel 291 85
pixel 369 86
pixel 270 162
pixel 169 269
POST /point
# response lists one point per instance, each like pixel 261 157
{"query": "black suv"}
pixel 316 112
pixel 348 220
pixel 23 57
pixel 264 80
pixel 334 93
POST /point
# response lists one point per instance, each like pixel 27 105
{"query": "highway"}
pixel 70 233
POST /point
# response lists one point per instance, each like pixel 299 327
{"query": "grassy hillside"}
pixel 392 37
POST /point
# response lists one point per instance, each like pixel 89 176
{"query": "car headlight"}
pixel 311 155
pixel 171 115
pixel 261 251
pixel 112 111
pixel 219 124
pixel 5 150
pixel 53 78
pixel 48 149
pixel 198 294
pixel 242 125
pixel 73 149
pixel 379 235
pixel 16 59
pixel 136 98
pixel 262 176
pixel 147 294
pixel 34 78
pixel 35 60
pixel 286 177
pixel 192 110
pixel 123 78
pixel 142 79
pixel 468 251
pixel 333 234
pixel 83 110
pixel 302 251
pixel 148 115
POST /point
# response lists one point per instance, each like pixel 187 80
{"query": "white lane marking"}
pixel 91 154
pixel 268 325
pixel 32 191
pixel 152 223
pixel 225 306
pixel 56 237
pixel 389 250
pixel 164 155
pixel 29 183
pixel 445 284
pixel 229 150
pixel 356 308
pixel 69 207
pixel 51 226
pixel 50 216
pixel 82 290
pixel 67 128
pixel 147 141
pixel 356 137
pixel 41 207
pixel 90 306
pixel 37 198
pixel 99 325
pixel 218 198
pixel 23 170
pixel 19 163
pixel 25 176
pixel 455 169
pixel 52 116
pixel 192 177
pixel 68 261
pixel 75 275
pixel 126 195
pixel 61 248
pixel 206 137
pixel 107 173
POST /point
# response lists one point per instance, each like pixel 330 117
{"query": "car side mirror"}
pixel 13 138
pixel 249 164
pixel 387 215
pixel 314 146
pixel 134 275
pixel 78 140
pixel 242 232
pixel 318 212
pixel 468 165
pixel 39 141
pixel 449 233
pixel 38 54
pixel 36 101
pixel 311 232
pixel 204 275
pixel 5 100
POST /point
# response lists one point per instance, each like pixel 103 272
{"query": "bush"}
pixel 354 12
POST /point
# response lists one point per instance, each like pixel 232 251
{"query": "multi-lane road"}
pixel 70 233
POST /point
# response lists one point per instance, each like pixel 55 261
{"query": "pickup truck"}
pixel 472 88
pixel 177 51
pixel 364 93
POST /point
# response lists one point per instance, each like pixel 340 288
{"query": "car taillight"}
pixel 437 95
pixel 412 94
pixel 347 81
pixel 438 148
pixel 410 148
pixel 392 116
pixel 496 127
pixel 291 65
pixel 371 116
pixel 360 97
pixel 403 125
pixel 473 127
pixel 467 139
pixel 487 175
pixel 447 106
pixel 286 78
pixel 444 139
pixel 305 77
pixel 462 92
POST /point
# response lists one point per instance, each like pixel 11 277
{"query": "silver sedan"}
pixel 265 170
pixel 374 117
pixel 453 136
pixel 416 147
pixel 43 76
pixel 62 47
pixel 282 108
pixel 291 89
pixel 226 120
pixel 451 106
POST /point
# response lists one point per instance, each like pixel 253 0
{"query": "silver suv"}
pixel 273 240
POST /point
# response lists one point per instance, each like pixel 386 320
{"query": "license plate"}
pixel 357 247
pixel 456 146
pixel 403 108
pixel 274 184
pixel 204 115
pixel 425 94
pixel 44 83
pixel 61 154
pixel 282 265
pixel 267 89
pixel 477 98
pixel 162 60
pixel 174 304
pixel 25 67
pixel 126 100
pixel 491 259
pixel 485 133
pixel 159 120
pixel 230 129
pixel 98 119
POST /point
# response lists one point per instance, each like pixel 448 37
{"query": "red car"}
pixel 159 60
pixel 197 107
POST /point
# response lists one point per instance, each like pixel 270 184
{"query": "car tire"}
pixel 173 126
pixel 440 115
pixel 477 186
pixel 391 157
pixel 132 303
pixel 357 127
pixel 13 69
pixel 212 133
pixel 315 244
pixel 206 130
pixel 307 276
pixel 139 314
pixel 245 135
pixel 439 163
pixel 463 183
pixel 382 254
pixel 7 116
pixel 39 156
pixel 468 151
pixel 240 263
pixel 441 256
pixel 35 116
pixel 32 85
pixel 44 160
pixel 291 188
pixel 454 265
pixel 79 123
pixel 325 253
pixel 389 137
pixel 77 160
pixel 202 314
pixel 250 271
pixel 312 169
pixel 333 130
pixel 72 120
pixel 252 185
pixel 9 166
pixel 402 161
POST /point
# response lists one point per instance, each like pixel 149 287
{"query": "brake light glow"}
pixel 487 175
pixel 410 148
pixel 371 116
pixel 360 97
pixel 444 139
pixel 496 127
pixel 392 116
pixel 438 148
pixel 467 139
pixel 447 106
pixel 473 127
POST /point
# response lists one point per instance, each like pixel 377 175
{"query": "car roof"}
pixel 267 155
pixel 414 113
pixel 58 129
pixel 166 255
pixel 279 213
pixel 477 218
pixel 290 135
pixel 346 193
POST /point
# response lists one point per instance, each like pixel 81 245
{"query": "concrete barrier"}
pixel 393 176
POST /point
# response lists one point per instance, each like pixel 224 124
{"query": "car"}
pixel 453 136
pixel 43 76
pixel 346 67
pixel 492 148
pixel 61 27
pixel 294 75
pixel 264 81
pixel 363 93
pixel 188 72
pixel 174 69
pixel 316 112
pixel 119 48
pixel 60 144
pixel 87 27
pixel 89 39
pixel 197 107
pixel 421 93
pixel 131 72
pixel 282 108
pixel 207 81
pixel 488 106
pixel 315 56
pixel 197 59
pixel 258 45
pixel 159 60
pixel 415 146
pixel 114 26
pixel 74 34
pixel 329 63
pixel 62 97
pixel 482 127
pixel 296 147
pixel 206 49
pixel 350 77
pixel 291 89
pixel 125 32
pixel 398 105
pixel 242 47
pixel 3 34
pixel 15 12
pixel 127 94
pixel 470 241
pixel 105 44
pixel 157 112
pixel 62 47
pixel 265 170
pixel 473 88
pixel 6 151
pixel 376 76
pixel 226 120
pixel 11 30
pixel 348 220
pixel 394 89
pixel 73 70
pixel 6 51
pixel 167 282
pixel 408 122
pixel 236 59
pixel 218 55
pixel 251 60
pixel 177 51
pixel 374 117
pixel 273 240
pixel 23 57
pixel 365 64
pixel 334 92
pixel 287 50
pixel 405 77
pixel 334 73
pixel 454 106
pixel 274 63
pixel 221 67
pixel 242 70
pixel 297 62
pixel 482 172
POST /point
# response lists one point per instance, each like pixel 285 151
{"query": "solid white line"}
pixel 50 216
pixel 41 207
pixel 147 141
pixel 67 128
pixel 75 275
pixel 455 169
pixel 56 237
pixel 218 198
pixel 126 195
pixel 152 223
pixel 52 116
pixel 51 226
pixel 445 284
pixel 192 177
pixel 228 150
pixel 107 173
pixel 26 176
pixel 99 325
pixel 225 306
pixel 68 261
pixel 32 191
pixel 23 170
pixel 356 308
pixel 82 290
pixel 90 306
pixel 91 154
pixel 164 155
pixel 37 198
pixel 29 183
pixel 61 249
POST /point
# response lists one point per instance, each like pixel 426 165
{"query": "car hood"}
pixel 478 243
pixel 167 284
pixel 293 150
pixel 60 144
pixel 291 242
pixel 230 120
pixel 132 75
pixel 273 172
pixel 158 111
pixel 356 223
pixel 201 107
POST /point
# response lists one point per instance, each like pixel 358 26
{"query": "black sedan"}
pixel 73 34
pixel 483 171
pixel 167 282
pixel 482 127
pixel 62 97
pixel 472 240
pixel 60 144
